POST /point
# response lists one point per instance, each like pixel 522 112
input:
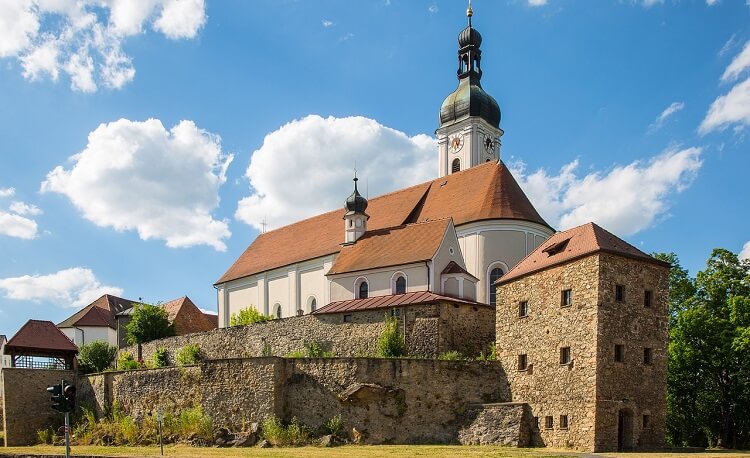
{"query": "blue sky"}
pixel 126 134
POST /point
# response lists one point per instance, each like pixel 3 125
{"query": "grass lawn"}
pixel 398 451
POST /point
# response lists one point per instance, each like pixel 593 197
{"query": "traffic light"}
pixel 63 396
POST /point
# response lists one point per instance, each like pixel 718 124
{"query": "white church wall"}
pixel 449 250
pixel 450 287
pixel 379 281
pixel 312 284
pixel 278 293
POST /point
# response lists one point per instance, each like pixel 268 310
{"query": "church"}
pixel 474 220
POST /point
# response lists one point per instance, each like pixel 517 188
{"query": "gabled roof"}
pixel 573 244
pixel 41 335
pixel 454 268
pixel 487 191
pixel 187 317
pixel 101 312
pixel 391 300
pixel 392 246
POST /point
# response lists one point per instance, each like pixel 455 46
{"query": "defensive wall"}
pixel 428 331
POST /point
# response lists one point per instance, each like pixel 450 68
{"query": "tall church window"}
pixel 363 290
pixel 495 275
pixel 277 310
pixel 400 285
pixel 456 166
pixel 313 304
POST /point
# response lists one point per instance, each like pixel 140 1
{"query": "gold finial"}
pixel 469 13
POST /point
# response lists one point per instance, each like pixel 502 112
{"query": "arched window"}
pixel 401 285
pixel 313 304
pixel 277 310
pixel 456 166
pixel 363 290
pixel 495 275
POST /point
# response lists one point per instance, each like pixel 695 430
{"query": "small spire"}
pixel 469 13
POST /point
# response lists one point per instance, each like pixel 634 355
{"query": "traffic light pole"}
pixel 67 435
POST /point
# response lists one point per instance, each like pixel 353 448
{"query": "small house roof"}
pixel 573 244
pixel 454 268
pixel 187 317
pixel 101 312
pixel 391 300
pixel 41 335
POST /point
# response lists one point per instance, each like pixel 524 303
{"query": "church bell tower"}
pixel 469 132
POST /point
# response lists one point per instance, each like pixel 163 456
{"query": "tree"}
pixel 96 357
pixel 148 322
pixel 390 343
pixel 248 315
pixel 708 397
pixel 681 286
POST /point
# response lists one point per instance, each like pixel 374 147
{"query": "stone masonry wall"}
pixel 507 423
pixel 429 331
pixel 631 386
pixel 26 402
pixel 389 400
pixel 550 388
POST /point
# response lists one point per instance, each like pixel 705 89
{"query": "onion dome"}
pixel 355 203
pixel 469 99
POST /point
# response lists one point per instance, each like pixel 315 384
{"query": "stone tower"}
pixel 582 335
pixel 469 132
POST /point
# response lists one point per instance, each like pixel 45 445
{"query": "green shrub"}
pixel 247 316
pixel 491 355
pixel 96 357
pixel 452 355
pixel 333 425
pixel 159 358
pixel 266 350
pixel 45 436
pixel 189 354
pixel 391 342
pixel 190 423
pixel 126 362
pixel 295 354
pixel 311 350
pixel 295 434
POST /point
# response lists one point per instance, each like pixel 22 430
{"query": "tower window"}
pixel 565 355
pixel 646 421
pixel 456 166
pixel 647 296
pixel 563 422
pixel 567 298
pixel 549 422
pixel 523 362
pixel 523 309
pixel 619 353
pixel 619 293
pixel 400 285
pixel 495 275
pixel 363 290
pixel 648 356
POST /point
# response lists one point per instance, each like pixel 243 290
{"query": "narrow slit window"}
pixel 648 356
pixel 523 362
pixel 563 422
pixel 363 290
pixel 619 293
pixel 647 298
pixel 456 166
pixel 549 422
pixel 567 298
pixel 565 355
pixel 619 353
pixel 646 421
pixel 523 309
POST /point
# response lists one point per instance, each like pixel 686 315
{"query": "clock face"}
pixel 489 144
pixel 455 143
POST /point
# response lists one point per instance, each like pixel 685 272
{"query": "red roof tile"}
pixel 573 244
pixel 187 317
pixel 487 191
pixel 101 312
pixel 392 300
pixel 392 246
pixel 41 335
pixel 454 268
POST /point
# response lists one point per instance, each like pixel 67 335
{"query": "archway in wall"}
pixel 625 430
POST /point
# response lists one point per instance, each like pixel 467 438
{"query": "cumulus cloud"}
pixel 83 38
pixel 728 109
pixel 140 176
pixel 739 64
pixel 22 208
pixel 626 199
pixel 745 253
pixel 7 192
pixel 74 287
pixel 306 166
pixel 669 111
pixel 14 225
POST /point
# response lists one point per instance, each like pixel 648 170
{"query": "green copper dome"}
pixel 355 203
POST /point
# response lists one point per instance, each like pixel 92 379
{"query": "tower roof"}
pixel 573 244
pixel 41 335
pixel 484 192
pixel 355 203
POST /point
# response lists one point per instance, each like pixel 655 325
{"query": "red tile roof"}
pixel 392 246
pixel 187 317
pixel 101 312
pixel 454 268
pixel 392 300
pixel 40 335
pixel 487 191
pixel 573 244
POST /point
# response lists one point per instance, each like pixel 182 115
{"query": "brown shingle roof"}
pixel 391 300
pixel 391 247
pixel 101 312
pixel 40 335
pixel 487 191
pixel 187 317
pixel 454 268
pixel 573 244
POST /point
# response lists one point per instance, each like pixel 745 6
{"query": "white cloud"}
pixel 625 200
pixel 669 111
pixel 305 167
pixel 7 192
pixel 74 287
pixel 537 2
pixel 711 2
pixel 22 208
pixel 745 253
pixel 731 108
pixel 18 226
pixel 327 23
pixel 140 176
pixel 649 3
pixel 83 38
pixel 739 64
